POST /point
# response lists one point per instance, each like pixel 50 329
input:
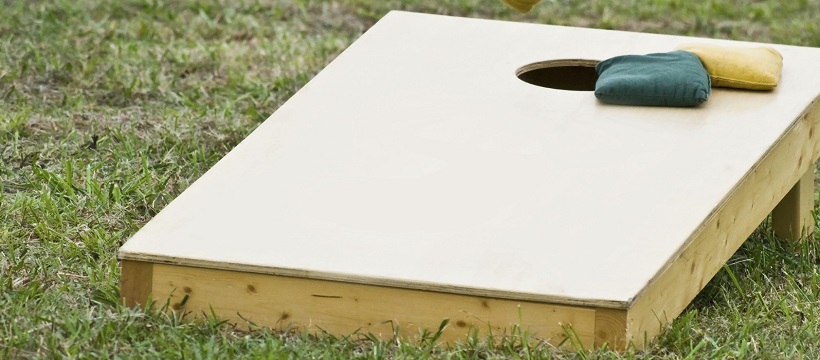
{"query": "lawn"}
pixel 109 109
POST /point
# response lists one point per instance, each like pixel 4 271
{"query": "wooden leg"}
pixel 135 282
pixel 792 217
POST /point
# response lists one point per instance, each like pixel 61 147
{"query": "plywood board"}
pixel 418 160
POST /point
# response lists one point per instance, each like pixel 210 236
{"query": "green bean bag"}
pixel 675 78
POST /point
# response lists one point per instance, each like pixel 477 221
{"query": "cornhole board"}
pixel 417 178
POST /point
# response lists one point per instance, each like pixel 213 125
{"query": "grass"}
pixel 109 109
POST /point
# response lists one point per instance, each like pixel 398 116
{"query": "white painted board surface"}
pixel 418 159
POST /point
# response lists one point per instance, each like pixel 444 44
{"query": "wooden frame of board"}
pixel 417 179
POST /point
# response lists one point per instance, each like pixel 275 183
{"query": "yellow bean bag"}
pixel 521 5
pixel 741 68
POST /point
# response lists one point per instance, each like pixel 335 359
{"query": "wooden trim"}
pixel 792 218
pixel 384 282
pixel 284 303
pixel 672 289
pixel 136 280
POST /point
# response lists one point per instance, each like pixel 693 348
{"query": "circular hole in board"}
pixel 562 74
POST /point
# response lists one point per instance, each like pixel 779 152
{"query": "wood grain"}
pixel 610 329
pixel 316 305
